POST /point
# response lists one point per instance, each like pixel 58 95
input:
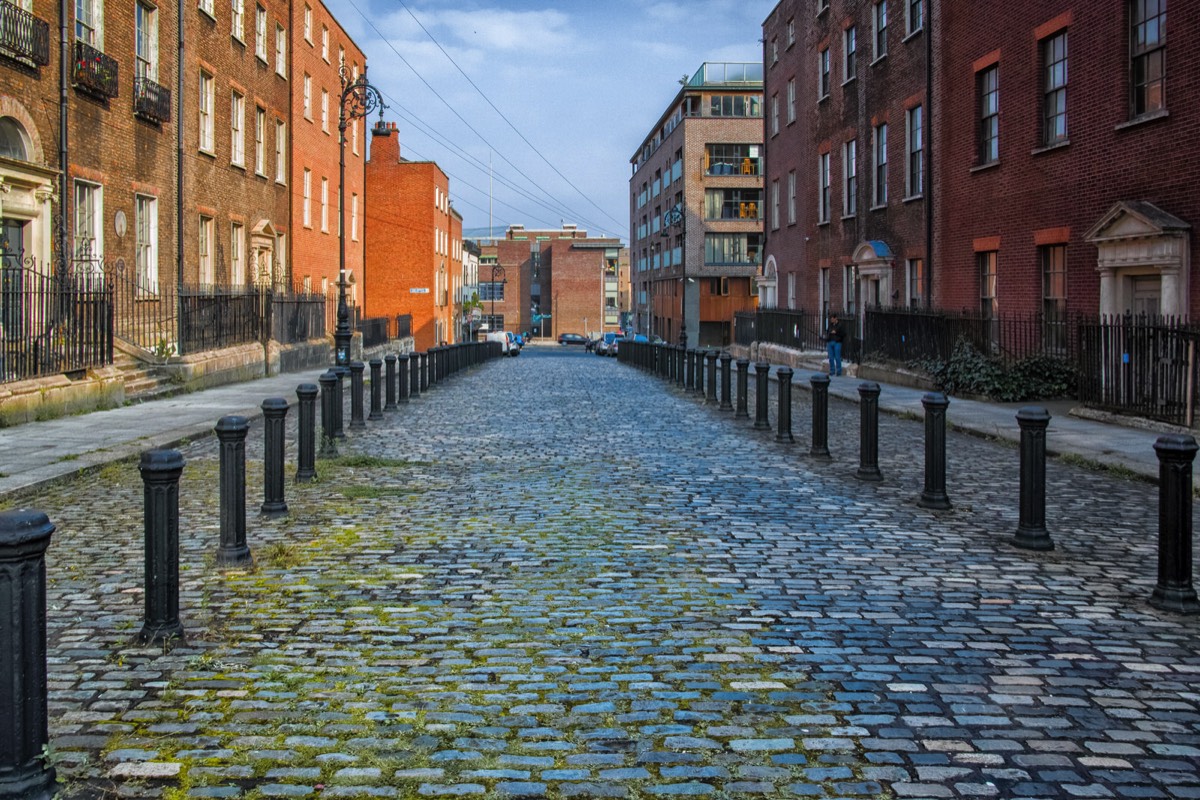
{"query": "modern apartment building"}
pixel 846 151
pixel 696 208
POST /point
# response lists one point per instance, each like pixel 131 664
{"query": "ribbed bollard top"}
pixel 23 532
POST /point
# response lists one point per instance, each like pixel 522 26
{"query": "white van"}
pixel 506 346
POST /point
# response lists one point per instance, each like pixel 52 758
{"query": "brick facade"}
pixel 577 274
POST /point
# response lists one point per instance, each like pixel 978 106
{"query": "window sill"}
pixel 985 167
pixel 238 39
pixel 206 13
pixel 1144 118
pixel 258 174
pixel 848 216
pixel 209 153
pixel 236 165
pixel 849 80
pixel 911 198
pixel 823 98
pixel 911 34
pixel 1037 151
pixel 879 59
pixel 822 10
pixel 309 41
pixel 879 207
pixel 263 60
pixel 823 223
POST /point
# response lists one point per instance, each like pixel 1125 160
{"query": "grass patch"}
pixel 372 462
pixel 1115 470
pixel 374 492
pixel 280 555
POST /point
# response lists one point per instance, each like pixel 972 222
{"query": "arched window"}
pixel 13 140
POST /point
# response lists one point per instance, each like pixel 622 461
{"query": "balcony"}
pixel 23 36
pixel 151 101
pixel 94 72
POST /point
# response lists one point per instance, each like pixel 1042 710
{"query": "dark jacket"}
pixel 835 333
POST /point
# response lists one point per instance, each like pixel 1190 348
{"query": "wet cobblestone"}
pixel 556 576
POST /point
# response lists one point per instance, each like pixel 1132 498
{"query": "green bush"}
pixel 969 371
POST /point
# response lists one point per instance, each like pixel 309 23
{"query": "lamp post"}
pixel 676 216
pixel 358 99
pixel 497 272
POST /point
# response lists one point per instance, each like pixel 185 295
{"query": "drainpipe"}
pixel 929 136
pixel 64 78
pixel 179 70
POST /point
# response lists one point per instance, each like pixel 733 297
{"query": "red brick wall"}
pixel 577 283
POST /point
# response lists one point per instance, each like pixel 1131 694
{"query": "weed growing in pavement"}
pixel 1116 470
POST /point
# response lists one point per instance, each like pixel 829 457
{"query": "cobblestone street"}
pixel 557 576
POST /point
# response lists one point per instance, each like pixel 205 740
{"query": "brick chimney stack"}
pixel 385 143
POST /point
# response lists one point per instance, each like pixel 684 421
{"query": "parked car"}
pixel 572 338
pixel 603 343
pixel 613 345
pixel 501 338
pixel 515 343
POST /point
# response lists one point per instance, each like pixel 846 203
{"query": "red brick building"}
pixel 1073 188
pixel 236 202
pixel 319 47
pixel 696 206
pixel 411 262
pixel 845 135
pixel 583 284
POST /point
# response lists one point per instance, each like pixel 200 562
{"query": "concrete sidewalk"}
pixel 41 452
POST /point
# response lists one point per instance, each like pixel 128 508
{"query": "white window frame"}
pixel 145 233
pixel 791 208
pixel 774 114
pixel 791 100
pixel 280 151
pixel 207 7
pixel 879 189
pixel 260 141
pixel 237 254
pixel 237 20
pixel 205 245
pixel 237 129
pixel 325 43
pixel 909 27
pixel 775 205
pixel 306 208
pixel 308 23
pixel 280 51
pixel 849 54
pixel 146 41
pixel 88 203
pixel 791 32
pixel 205 132
pixel 823 189
pixel 354 217
pixel 848 289
pixel 824 74
pixel 325 110
pixel 260 33
pixel 850 178
pixel 306 103
pixel 325 205
pixel 914 128
pixel 354 136
pixel 910 267
pixel 879 25
pixel 89 22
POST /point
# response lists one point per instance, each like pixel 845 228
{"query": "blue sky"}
pixel 581 81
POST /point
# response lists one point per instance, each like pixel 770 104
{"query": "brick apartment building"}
pixel 1059 166
pixel 452 311
pixel 414 254
pixel 696 206
pixel 236 202
pixel 845 136
pixel 319 47
pixel 583 284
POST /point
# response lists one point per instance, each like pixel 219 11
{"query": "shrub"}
pixel 1038 377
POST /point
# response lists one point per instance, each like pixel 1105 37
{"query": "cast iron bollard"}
pixel 339 402
pixel 934 495
pixel 698 374
pixel 275 411
pixel 328 381
pixel 784 431
pixel 402 364
pixel 376 390
pixel 868 432
pixel 762 372
pixel 1175 591
pixel 160 517
pixel 743 367
pixel 25 773
pixel 389 394
pixel 306 456
pixel 710 395
pixel 231 432
pixel 1031 529
pixel 425 371
pixel 820 418
pixel 356 395
pixel 689 363
pixel 726 382
pixel 414 375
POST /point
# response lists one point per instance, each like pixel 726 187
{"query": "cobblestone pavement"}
pixel 555 576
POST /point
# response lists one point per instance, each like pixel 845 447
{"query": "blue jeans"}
pixel 835 357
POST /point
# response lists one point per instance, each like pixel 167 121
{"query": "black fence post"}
pixel 24 720
pixel 339 402
pixel 231 433
pixel 425 371
pixel 934 495
pixel 390 362
pixel 743 368
pixel 306 454
pixel 1031 529
pixel 710 395
pixel 160 520
pixel 726 381
pixel 868 432
pixel 1174 590
pixel 328 381
pixel 819 449
pixel 784 405
pixel 275 411
pixel 376 390
pixel 414 375
pixel 356 395
pixel 402 367
pixel 762 372
pixel 698 373
pixel 689 363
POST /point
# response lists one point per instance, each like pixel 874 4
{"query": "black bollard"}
pixel 726 381
pixel 783 432
pixel 275 411
pixel 376 390
pixel 402 367
pixel 934 495
pixel 356 395
pixel 231 433
pixel 868 432
pixel 677 364
pixel 339 402
pixel 689 363
pixel 306 456
pixel 425 371
pixel 820 418
pixel 1031 529
pixel 25 772
pixel 743 367
pixel 762 372
pixel 710 395
pixel 389 394
pixel 698 372
pixel 160 515
pixel 414 375
pixel 328 381
pixel 1174 590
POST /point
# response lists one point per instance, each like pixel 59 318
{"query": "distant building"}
pixel 696 207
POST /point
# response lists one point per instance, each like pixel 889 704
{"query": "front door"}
pixel 1147 295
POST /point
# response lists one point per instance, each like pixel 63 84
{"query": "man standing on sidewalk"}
pixel 833 344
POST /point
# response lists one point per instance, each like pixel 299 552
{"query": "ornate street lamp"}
pixel 359 98
pixel 675 216
pixel 497 272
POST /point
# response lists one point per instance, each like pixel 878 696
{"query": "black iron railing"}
pixel 297 317
pixel 151 101
pixel 403 326
pixel 212 317
pixel 52 323
pixel 23 36
pixel 907 335
pixel 804 330
pixel 95 72
pixel 374 330
pixel 745 327
pixel 145 311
